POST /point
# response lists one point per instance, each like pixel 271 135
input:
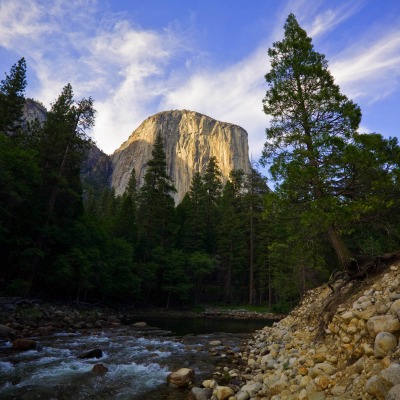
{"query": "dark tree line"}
pixel 335 201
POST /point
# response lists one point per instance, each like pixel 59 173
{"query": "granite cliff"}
pixel 190 140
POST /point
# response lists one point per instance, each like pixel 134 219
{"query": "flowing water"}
pixel 138 361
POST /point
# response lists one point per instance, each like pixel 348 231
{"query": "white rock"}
pixel 394 393
pixel 378 387
pixel 384 343
pixel 392 374
pixel 252 388
pixel 395 308
pixel 383 323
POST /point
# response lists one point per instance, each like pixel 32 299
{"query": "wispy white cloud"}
pixel 123 67
pixel 233 95
pixel 328 19
pixel 21 21
pixel 371 68
pixel 133 72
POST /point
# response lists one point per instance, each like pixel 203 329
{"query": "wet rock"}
pixel 24 344
pixel 215 343
pixel 95 353
pixel 384 343
pixel 99 369
pixel 181 378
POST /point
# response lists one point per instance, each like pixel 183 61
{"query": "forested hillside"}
pixel 333 201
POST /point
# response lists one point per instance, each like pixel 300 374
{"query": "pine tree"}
pixel 62 145
pixel 311 124
pixel 253 203
pixel 192 209
pixel 212 186
pixel 156 205
pixel 12 98
pixel 231 239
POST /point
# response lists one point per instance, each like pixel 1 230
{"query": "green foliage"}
pixel 332 176
pixel 336 190
pixel 12 100
pixel 156 207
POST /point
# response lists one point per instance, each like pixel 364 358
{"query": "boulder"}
pixel 200 394
pixel 24 344
pixel 392 374
pixel 95 353
pixel 378 387
pixel 384 343
pixel 383 323
pixel 223 392
pixel 395 308
pixel 181 378
pixel 252 388
pixel 322 369
pixel 394 393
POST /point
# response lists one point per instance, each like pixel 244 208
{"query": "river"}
pixel 138 360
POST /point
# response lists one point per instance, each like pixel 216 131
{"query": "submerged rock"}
pixel 24 344
pixel 99 369
pixel 95 353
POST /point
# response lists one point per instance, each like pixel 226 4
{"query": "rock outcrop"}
pixel 32 111
pixel 190 140
pixel 97 169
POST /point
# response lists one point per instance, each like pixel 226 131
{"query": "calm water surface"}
pixel 138 361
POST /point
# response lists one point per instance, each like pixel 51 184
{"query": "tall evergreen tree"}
pixel 253 203
pixel 12 98
pixel 62 146
pixel 212 186
pixel 312 122
pixel 192 236
pixel 156 205
pixel 231 239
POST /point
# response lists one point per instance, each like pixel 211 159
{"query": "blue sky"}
pixel 139 57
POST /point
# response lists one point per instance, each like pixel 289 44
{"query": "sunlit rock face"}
pixel 190 140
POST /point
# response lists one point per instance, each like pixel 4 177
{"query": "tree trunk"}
pixel 251 269
pixel 342 252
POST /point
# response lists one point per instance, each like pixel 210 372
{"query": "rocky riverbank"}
pixel 344 349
